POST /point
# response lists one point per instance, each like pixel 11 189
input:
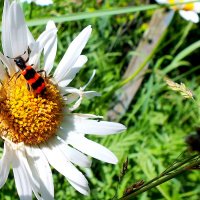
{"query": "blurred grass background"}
pixel 158 120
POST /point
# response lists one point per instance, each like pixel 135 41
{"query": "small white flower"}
pixel 189 11
pixel 40 131
pixel 39 2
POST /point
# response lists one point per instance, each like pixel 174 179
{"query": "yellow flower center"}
pixel 27 118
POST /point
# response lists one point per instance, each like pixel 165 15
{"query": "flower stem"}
pixel 168 174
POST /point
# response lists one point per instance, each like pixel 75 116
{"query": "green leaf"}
pixel 87 15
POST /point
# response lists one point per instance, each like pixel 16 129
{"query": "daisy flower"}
pixel 189 11
pixel 39 2
pixel 40 130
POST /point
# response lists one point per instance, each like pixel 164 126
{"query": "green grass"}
pixel 158 120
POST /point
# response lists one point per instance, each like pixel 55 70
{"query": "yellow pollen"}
pixel 27 118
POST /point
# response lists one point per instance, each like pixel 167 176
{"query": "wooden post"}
pixel 149 42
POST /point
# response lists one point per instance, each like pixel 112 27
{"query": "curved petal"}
pixel 92 148
pixel 76 95
pixel 73 95
pixel 90 80
pixel 72 154
pixel 41 171
pixel 83 190
pixel 50 49
pixel 72 54
pixel 5 164
pixel 73 71
pixel 39 45
pixel 62 165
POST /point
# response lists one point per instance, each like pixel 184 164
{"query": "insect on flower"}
pixel 40 132
pixel 32 77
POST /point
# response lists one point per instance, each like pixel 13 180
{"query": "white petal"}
pixel 92 148
pixel 71 90
pixel 18 30
pixel 77 95
pixel 5 37
pixel 73 71
pixel 39 45
pixel 22 181
pixel 72 154
pixel 62 165
pixel 41 172
pixel 72 97
pixel 72 54
pixel 189 15
pixel 98 127
pixel 88 126
pixel 90 80
pixel 35 186
pixel 83 190
pixel 197 7
pixel 50 49
pixel 91 94
pixel 30 38
pixel 5 164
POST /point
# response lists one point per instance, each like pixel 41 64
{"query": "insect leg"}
pixel 14 75
pixel 28 87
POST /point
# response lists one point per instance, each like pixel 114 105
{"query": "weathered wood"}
pixel 150 40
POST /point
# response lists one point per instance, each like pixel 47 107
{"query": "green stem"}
pixel 162 179
pixel 176 166
pixel 183 37
pixel 170 169
pixel 102 13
